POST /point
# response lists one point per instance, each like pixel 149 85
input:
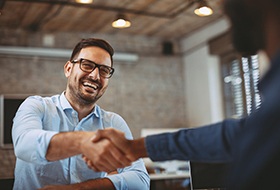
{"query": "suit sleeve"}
pixel 211 143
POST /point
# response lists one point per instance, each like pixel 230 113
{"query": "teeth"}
pixel 90 85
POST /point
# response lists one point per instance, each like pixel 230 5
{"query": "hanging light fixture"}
pixel 203 9
pixel 121 22
pixel 84 1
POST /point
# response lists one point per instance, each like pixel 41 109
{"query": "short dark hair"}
pixel 93 42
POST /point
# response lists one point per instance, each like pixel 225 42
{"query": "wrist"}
pixel 84 141
pixel 138 148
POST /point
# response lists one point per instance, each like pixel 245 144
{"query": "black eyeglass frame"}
pixel 111 69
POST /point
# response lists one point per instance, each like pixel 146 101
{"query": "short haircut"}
pixel 93 42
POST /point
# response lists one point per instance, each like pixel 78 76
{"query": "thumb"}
pixel 97 136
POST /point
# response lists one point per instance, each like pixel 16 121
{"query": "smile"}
pixel 91 85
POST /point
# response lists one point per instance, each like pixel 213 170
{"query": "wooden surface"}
pixel 167 19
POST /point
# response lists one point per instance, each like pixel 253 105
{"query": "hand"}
pixel 102 155
pixel 118 139
pixel 130 150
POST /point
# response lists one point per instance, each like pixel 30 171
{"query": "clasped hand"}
pixel 108 150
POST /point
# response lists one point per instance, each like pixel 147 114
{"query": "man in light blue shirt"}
pixel 52 134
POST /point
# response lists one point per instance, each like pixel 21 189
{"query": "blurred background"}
pixel 175 67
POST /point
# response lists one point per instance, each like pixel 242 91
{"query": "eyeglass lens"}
pixel 89 66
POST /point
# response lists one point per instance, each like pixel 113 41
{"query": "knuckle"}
pixel 119 157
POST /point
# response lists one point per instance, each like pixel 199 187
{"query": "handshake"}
pixel 112 150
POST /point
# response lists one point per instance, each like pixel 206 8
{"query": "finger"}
pixel 121 143
pixel 106 156
pixel 102 167
pixel 115 136
pixel 111 160
pixel 105 160
pixel 118 158
pixel 95 167
pixel 84 158
pixel 110 163
pixel 99 167
pixel 90 164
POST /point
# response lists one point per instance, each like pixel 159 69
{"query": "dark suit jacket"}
pixel 251 145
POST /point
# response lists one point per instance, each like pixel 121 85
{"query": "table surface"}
pixel 177 175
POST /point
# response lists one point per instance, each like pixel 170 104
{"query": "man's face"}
pixel 247 25
pixel 87 88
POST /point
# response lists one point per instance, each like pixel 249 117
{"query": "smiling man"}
pixel 51 134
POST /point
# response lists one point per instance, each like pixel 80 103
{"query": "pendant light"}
pixel 121 22
pixel 203 9
pixel 84 1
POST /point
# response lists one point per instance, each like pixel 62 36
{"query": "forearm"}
pixel 93 184
pixel 66 144
pixel 98 184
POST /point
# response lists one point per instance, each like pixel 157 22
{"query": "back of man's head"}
pixel 247 21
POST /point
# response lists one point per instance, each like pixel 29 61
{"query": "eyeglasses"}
pixel 89 66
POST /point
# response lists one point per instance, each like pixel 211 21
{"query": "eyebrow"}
pixel 96 63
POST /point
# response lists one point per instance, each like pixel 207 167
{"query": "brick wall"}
pixel 147 94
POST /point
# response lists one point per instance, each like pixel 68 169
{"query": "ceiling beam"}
pixel 167 15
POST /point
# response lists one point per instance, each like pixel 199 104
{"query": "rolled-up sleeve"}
pixel 29 139
pixel 134 177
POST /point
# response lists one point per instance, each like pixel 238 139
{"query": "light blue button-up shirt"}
pixel 38 119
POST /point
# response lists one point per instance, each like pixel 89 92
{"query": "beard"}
pixel 81 96
pixel 246 26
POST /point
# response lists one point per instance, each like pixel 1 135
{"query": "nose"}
pixel 95 73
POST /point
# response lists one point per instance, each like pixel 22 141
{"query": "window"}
pixel 240 77
pixel 8 108
pixel 240 81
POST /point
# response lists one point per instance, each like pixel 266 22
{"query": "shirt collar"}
pixel 64 102
pixel 66 105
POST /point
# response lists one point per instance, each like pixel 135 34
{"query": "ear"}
pixel 68 68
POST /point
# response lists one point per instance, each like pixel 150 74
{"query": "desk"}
pixel 179 180
pixel 170 181
pixel 178 175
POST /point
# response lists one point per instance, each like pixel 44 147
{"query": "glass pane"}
pixel 241 95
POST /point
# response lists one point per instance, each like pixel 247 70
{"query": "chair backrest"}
pixel 208 175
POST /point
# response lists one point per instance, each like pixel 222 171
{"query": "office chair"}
pixel 208 175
